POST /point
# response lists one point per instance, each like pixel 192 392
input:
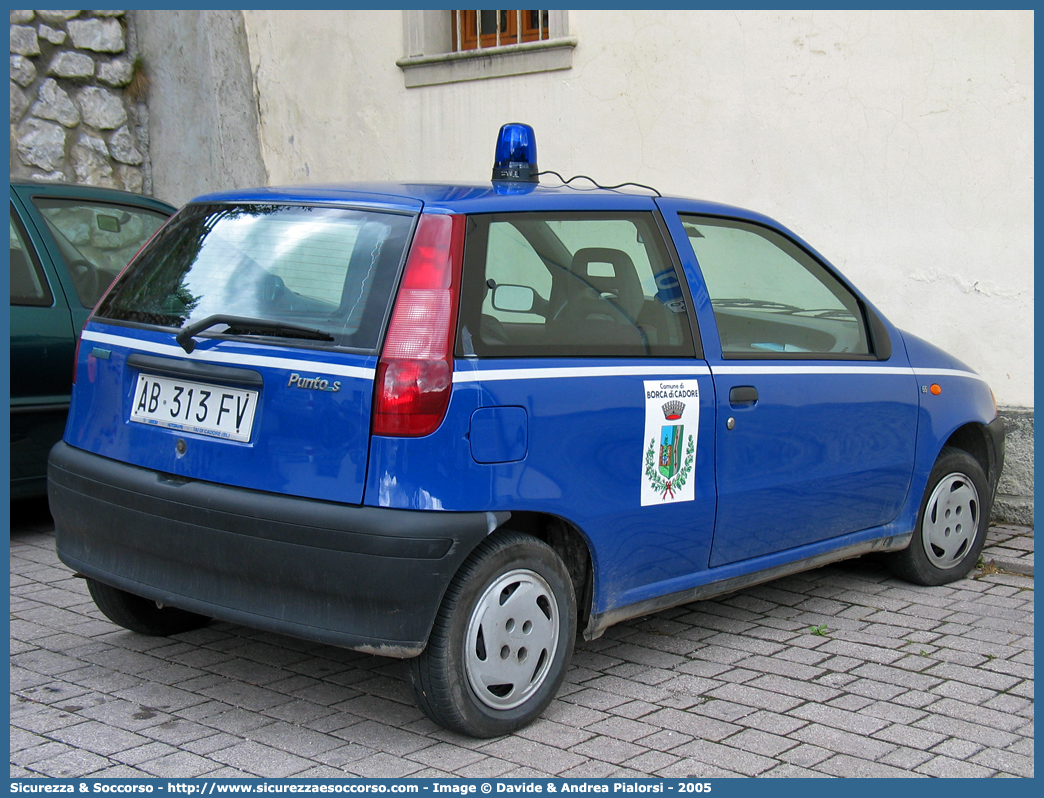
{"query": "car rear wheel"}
pixel 952 524
pixel 502 639
pixel 141 615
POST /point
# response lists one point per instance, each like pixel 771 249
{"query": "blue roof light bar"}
pixel 516 155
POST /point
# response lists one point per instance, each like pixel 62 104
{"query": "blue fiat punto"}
pixel 462 424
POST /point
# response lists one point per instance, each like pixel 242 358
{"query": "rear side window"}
pixel 564 285
pixel 331 269
pixel 96 239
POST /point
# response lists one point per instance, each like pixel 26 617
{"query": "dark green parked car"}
pixel 68 243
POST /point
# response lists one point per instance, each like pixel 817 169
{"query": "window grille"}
pixel 478 29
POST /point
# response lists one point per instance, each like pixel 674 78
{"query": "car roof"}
pixel 499 197
pixel 98 193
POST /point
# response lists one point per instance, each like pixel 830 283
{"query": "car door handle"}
pixel 743 396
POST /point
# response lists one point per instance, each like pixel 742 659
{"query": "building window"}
pixel 477 30
pixel 454 46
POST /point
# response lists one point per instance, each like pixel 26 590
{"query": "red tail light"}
pixel 415 373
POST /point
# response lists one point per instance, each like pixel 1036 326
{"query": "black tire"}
pixel 141 615
pixel 515 590
pixel 951 526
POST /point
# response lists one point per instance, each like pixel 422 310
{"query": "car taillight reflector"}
pixel 415 373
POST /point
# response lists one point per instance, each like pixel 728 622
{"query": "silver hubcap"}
pixel 951 520
pixel 511 640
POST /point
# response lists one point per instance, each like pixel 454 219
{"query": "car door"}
pixel 42 347
pixel 89 235
pixel 816 411
pixel 67 245
pixel 594 402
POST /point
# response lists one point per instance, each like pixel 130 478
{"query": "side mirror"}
pixel 514 298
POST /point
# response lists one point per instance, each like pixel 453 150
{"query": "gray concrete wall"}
pixel 1014 503
pixel 203 125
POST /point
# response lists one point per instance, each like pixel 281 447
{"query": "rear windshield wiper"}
pixel 248 326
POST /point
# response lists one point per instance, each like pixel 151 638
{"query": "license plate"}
pixel 214 410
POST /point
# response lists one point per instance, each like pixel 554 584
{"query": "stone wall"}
pixel 1014 503
pixel 77 100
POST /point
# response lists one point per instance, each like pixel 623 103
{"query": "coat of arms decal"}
pixel 671 451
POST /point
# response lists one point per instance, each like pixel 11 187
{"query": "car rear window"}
pixel 332 269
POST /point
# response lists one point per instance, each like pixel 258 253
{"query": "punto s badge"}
pixel 313 383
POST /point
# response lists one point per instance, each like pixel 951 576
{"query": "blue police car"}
pixel 462 424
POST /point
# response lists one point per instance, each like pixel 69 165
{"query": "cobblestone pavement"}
pixel 842 671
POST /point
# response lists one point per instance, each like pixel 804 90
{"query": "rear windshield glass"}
pixel 330 269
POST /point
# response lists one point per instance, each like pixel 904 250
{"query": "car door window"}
pixel 28 286
pixel 565 285
pixel 770 297
pixel 96 239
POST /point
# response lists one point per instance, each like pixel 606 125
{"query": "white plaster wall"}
pixel 899 144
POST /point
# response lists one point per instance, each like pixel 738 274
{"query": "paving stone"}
pixel 842 742
pixel 608 749
pixel 753 697
pixel 851 703
pixel 980 715
pixel 1005 762
pixel 179 765
pixel 71 764
pixel 974 676
pixel 383 766
pixel 957 749
pixel 772 722
pixel 722 710
pixel 46 749
pixel 854 768
pixel 634 709
pixel 293 739
pixel 785 771
pixel 782 667
pixel 905 758
pixel 965 730
pixel 591 769
pixel 261 760
pixel 595 699
pixel 383 737
pixel 839 718
pixel 524 752
pixel 759 742
pixel 488 768
pixel 693 725
pixel 648 762
pixel 98 738
pixel 806 691
pixel 724 756
pixel 908 736
pixel 446 756
pixel 946 768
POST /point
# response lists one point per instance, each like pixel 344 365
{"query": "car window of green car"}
pixel 96 239
pixel 28 285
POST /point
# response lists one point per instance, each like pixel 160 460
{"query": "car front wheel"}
pixel 952 524
pixel 502 639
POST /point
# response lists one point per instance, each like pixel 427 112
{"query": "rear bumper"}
pixel 366 578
